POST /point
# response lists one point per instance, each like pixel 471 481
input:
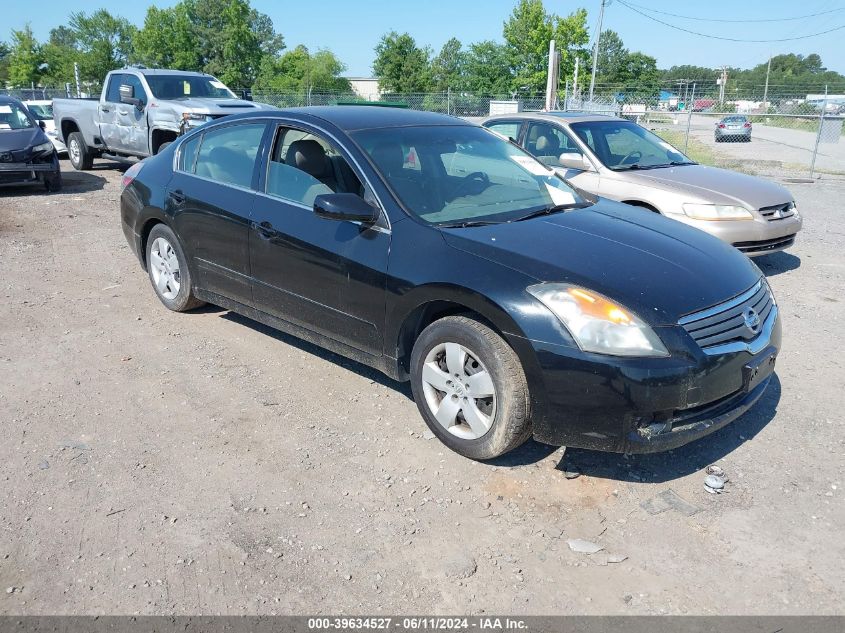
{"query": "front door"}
pixel 547 142
pixel 107 110
pixel 131 121
pixel 324 275
pixel 211 196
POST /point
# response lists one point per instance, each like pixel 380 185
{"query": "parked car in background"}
pixel 734 127
pixel 515 305
pixel 26 154
pixel 42 110
pixel 140 112
pixel 621 160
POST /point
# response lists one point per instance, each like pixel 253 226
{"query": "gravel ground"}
pixel 201 463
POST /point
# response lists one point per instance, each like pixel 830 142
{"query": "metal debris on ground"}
pixel 714 484
pixel 715 470
pixel 571 474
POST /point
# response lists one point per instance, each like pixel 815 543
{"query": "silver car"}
pixel 734 127
pixel 618 159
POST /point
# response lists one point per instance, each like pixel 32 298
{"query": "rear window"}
pixel 228 154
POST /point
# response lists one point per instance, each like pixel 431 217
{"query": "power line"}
pixel 690 17
pixel 727 39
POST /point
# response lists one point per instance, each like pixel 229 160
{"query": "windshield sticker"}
pixel 667 147
pixel 5 126
pixel 538 169
pixel 218 84
pixel 559 196
pixel 186 88
pixel 5 109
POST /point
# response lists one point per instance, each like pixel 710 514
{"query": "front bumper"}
pixel 26 173
pixel 642 405
pixel 753 237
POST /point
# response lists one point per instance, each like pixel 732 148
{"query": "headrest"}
pixel 547 144
pixel 307 155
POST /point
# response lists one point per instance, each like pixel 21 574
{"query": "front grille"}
pixel 778 211
pixel 726 323
pixel 763 246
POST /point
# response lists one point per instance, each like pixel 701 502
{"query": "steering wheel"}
pixel 635 154
pixel 477 177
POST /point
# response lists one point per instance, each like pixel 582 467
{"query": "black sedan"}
pixel 437 252
pixel 26 154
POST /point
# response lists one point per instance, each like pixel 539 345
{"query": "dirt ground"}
pixel 160 463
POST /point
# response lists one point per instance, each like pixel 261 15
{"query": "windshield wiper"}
pixel 552 208
pixel 468 223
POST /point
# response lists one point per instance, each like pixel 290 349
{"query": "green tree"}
pixel 448 67
pixel 487 69
pixel 104 41
pixel 24 58
pixel 400 65
pixel 59 54
pixel 167 40
pixel 298 70
pixel 527 34
pixel 611 58
pixel 4 63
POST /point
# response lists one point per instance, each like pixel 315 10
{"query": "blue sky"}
pixel 351 28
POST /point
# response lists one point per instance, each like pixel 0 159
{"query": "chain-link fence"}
pixel 747 130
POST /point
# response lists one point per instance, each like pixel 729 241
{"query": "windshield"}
pixel 41 111
pixel 187 87
pixel 622 145
pixel 14 117
pixel 454 175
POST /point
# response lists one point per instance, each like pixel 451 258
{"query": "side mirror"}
pixel 127 95
pixel 345 207
pixel 574 160
pixel 41 124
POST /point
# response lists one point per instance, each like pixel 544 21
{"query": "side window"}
pixel 506 128
pixel 113 90
pixel 140 92
pixel 303 166
pixel 548 142
pixel 228 154
pixel 188 154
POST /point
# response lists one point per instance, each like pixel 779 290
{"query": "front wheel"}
pixel 168 270
pixel 470 388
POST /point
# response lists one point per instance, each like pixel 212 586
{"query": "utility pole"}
pixel 575 80
pixel 596 49
pixel 76 77
pixel 766 89
pixel 722 81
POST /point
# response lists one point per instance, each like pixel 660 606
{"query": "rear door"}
pixel 107 112
pixel 211 196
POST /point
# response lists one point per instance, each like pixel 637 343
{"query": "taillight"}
pixel 130 174
pixel 748 124
pixel 722 125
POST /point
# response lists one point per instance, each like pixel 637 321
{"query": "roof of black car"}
pixel 7 99
pixel 364 117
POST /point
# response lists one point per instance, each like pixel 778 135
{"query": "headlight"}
pixel 717 212
pixel 44 147
pixel 793 206
pixel 196 118
pixel 596 323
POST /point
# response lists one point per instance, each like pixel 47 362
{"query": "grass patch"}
pixel 700 152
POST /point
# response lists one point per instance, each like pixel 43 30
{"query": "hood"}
pixel 711 184
pixel 215 106
pixel 657 267
pixel 15 140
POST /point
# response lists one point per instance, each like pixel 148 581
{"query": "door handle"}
pixel 265 229
pixel 176 196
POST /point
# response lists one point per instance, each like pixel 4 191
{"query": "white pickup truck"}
pixel 140 112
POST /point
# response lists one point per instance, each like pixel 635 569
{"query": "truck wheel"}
pixel 78 152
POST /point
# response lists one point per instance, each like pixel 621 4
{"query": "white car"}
pixel 43 111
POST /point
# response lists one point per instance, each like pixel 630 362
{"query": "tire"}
pixel 502 421
pixel 168 270
pixel 163 147
pixel 53 182
pixel 80 156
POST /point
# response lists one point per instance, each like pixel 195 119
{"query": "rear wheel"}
pixel 80 156
pixel 470 388
pixel 168 270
